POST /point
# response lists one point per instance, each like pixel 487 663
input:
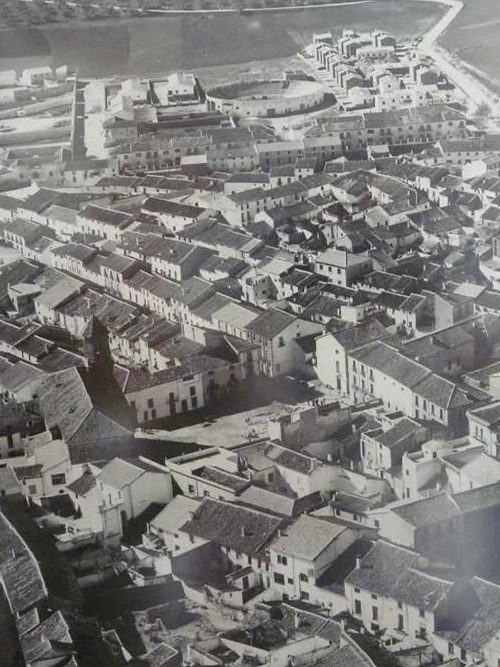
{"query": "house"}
pixel 174 259
pixel 276 333
pixel 174 216
pixel 162 655
pixel 196 382
pixel 342 267
pixel 104 222
pixel 388 590
pixel 381 370
pixel 452 466
pixel 163 528
pixel 303 553
pixel 236 538
pixel 474 635
pixel 484 424
pixel 333 347
pixel 56 295
pixel 136 483
pixel 383 448
pixel 431 526
pixel 45 468
pixel 96 517
pixel 18 421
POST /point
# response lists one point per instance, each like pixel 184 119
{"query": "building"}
pixel 85 406
pixel 333 347
pixel 342 267
pixel 276 333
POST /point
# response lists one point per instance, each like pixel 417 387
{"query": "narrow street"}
pixel 10 653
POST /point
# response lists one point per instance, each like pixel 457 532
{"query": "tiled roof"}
pixel 389 571
pixel 119 473
pixel 478 499
pixel 231 526
pixel 83 484
pixel 175 514
pixel 439 507
pixel 270 323
pixel 360 334
pixel 308 537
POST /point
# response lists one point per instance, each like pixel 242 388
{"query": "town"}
pixel 250 366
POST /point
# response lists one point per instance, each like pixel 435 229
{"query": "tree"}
pixel 483 110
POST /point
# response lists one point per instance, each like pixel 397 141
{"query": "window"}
pixel 282 560
pixel 374 597
pixel 374 627
pixel 192 391
pixel 290 580
pixel 281 342
pixel 357 607
pixel 375 613
pixel 279 579
pixel 58 479
pixel 421 613
pixel 32 489
pixel 194 402
pixel 190 488
pixel 303 577
pixel 10 441
pixel 451 650
pixel 401 624
pixel 304 595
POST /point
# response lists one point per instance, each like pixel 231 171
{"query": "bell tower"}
pixel 96 347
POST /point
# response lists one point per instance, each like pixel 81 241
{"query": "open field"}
pixel 165 43
pixel 473 36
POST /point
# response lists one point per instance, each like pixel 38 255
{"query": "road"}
pixel 456 70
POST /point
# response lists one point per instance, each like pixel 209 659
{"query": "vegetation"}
pixel 38 12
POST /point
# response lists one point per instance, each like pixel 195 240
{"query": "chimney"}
pixel 358 563
pixel 13 553
pixel 243 533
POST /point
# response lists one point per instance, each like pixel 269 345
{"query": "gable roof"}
pixel 243 529
pixel 86 408
pixel 119 473
pixel 390 571
pixel 425 511
pixel 308 537
pixel 270 323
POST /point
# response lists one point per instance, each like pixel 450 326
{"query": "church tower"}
pixel 96 348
